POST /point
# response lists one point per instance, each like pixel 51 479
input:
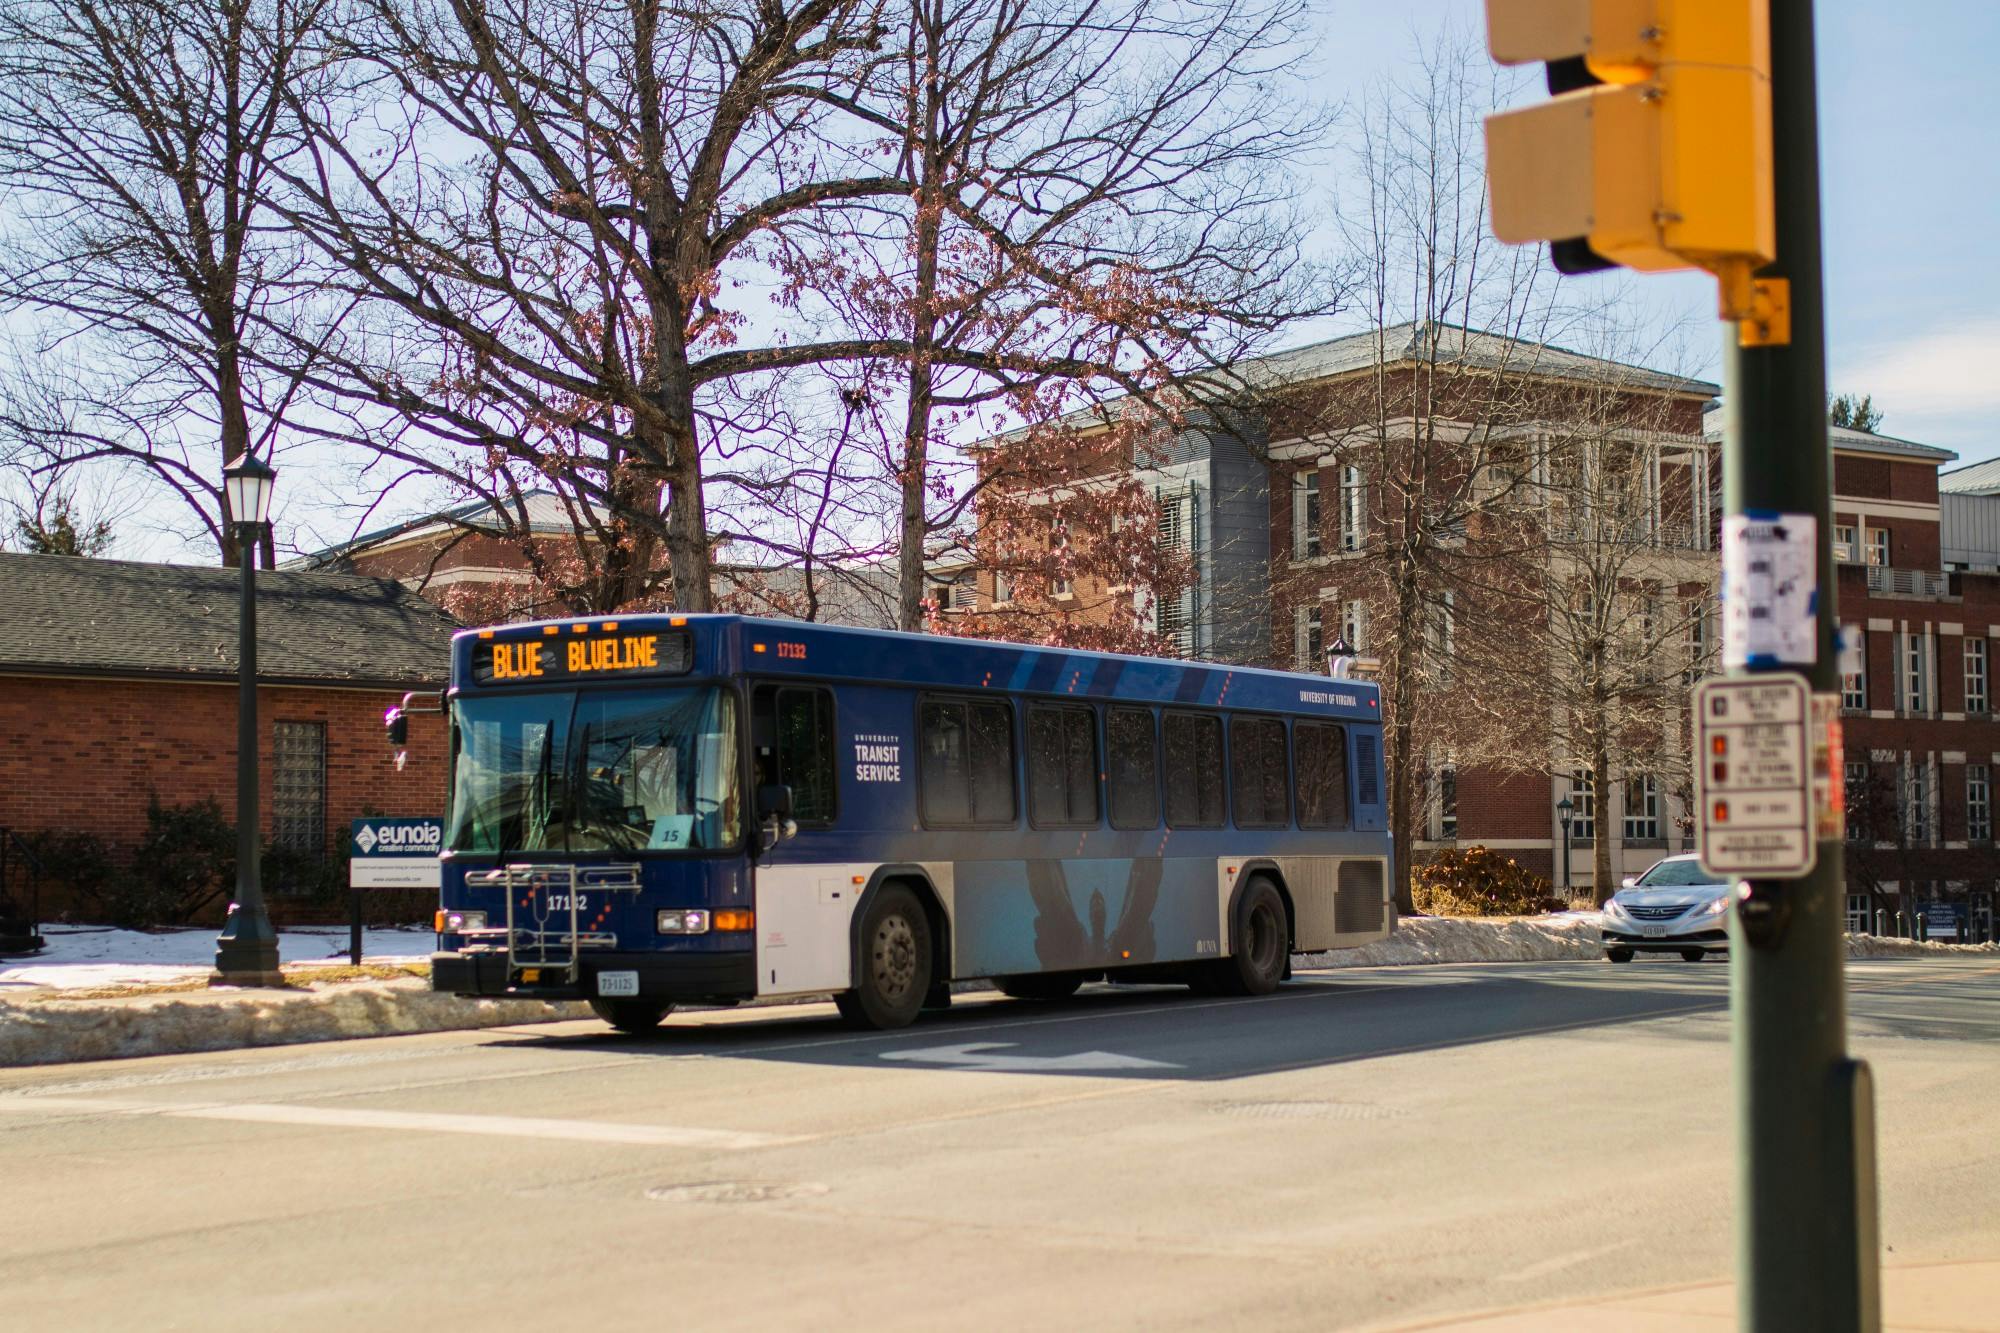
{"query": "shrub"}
pixel 185 861
pixel 1477 882
pixel 75 866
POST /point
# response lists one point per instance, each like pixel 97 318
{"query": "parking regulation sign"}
pixel 395 853
pixel 1753 781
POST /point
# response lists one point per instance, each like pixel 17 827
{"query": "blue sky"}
pixel 1910 195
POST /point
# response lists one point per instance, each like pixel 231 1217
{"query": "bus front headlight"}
pixel 682 921
pixel 454 923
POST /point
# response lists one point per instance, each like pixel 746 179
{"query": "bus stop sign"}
pixel 1753 780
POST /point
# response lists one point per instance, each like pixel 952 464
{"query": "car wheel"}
pixel 1039 986
pixel 1694 955
pixel 1619 955
pixel 892 975
pixel 634 1016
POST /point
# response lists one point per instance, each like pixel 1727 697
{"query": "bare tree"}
pixel 138 140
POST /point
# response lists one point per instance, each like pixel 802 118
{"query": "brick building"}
pixel 1920 595
pixel 118 686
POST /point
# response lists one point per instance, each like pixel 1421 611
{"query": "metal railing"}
pixel 1907 582
pixel 540 899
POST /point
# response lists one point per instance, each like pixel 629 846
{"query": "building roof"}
pixel 1848 440
pixel 545 511
pixel 70 616
pixel 1972 479
pixel 1406 344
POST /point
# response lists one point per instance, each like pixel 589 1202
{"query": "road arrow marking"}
pixel 980 1055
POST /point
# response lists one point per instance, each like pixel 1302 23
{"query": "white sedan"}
pixel 1675 907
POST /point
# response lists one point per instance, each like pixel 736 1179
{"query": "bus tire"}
pixel 1261 934
pixel 1039 985
pixel 892 969
pixel 634 1016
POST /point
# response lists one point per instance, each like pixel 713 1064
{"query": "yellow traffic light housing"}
pixel 1654 153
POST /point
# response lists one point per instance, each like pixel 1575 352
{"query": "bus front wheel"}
pixel 1262 943
pixel 634 1016
pixel 892 975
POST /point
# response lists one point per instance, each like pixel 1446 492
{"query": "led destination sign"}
pixel 553 658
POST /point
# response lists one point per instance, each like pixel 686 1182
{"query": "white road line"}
pixel 347 1117
pixel 1562 1261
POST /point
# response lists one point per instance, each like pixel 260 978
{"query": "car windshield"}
pixel 1676 875
pixel 570 772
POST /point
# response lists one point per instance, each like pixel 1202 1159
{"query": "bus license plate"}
pixel 617 983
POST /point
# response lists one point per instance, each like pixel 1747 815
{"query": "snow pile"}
pixel 86 957
pixel 1462 939
pixel 1888 946
pixel 58 1031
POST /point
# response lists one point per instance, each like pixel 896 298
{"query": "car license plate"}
pixel 617 983
pixel 1655 932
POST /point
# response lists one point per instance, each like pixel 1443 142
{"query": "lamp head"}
pixel 248 482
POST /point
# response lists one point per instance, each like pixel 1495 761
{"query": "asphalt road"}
pixel 1365 1148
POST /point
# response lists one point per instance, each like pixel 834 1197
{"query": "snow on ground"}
pixel 92 956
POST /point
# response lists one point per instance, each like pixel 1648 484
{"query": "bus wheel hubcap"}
pixel 895 956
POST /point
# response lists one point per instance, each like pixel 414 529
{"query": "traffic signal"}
pixel 1654 152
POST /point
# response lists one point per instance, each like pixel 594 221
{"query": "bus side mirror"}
pixel 774 801
pixel 397 723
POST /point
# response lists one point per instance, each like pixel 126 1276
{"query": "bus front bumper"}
pixel 722 978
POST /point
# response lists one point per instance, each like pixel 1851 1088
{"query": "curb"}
pixel 67 1031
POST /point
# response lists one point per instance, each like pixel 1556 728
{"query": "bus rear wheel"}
pixel 892 975
pixel 634 1016
pixel 1039 985
pixel 1262 953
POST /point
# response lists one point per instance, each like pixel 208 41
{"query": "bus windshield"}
pixel 586 772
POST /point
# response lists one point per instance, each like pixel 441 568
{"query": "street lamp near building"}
pixel 1565 812
pixel 246 953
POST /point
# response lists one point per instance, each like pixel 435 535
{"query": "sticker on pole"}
pixel 1770 589
pixel 395 853
pixel 1754 777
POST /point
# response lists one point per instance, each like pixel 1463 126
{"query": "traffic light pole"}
pixel 1806 1240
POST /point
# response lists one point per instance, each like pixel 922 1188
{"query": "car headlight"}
pixel 1715 907
pixel 1612 907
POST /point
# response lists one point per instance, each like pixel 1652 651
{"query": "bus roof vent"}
pixel 1368 785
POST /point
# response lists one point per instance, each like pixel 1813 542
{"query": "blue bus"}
pixel 660 809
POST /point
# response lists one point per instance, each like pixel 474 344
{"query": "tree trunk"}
pixel 1602 886
pixel 1402 741
pixel 917 421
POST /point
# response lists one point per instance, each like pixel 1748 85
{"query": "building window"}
pixel 1843 545
pixel 1583 795
pixel 1978 803
pixel 1642 808
pixel 1854 686
pixel 1354 626
pixel 1059 584
pixel 1305 515
pixel 1860 816
pixel 1916 804
pixel 1447 804
pixel 1308 639
pixel 1353 509
pixel 1857 913
pixel 1915 677
pixel 1975 675
pixel 1443 637
pixel 1697 642
pixel 1878 546
pixel 298 786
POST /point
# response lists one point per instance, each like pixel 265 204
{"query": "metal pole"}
pixel 1806 1240
pixel 246 953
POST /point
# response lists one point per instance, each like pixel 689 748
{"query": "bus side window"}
pixel 805 752
pixel 1322 775
pixel 967 753
pixel 1062 766
pixel 1194 770
pixel 1133 750
pixel 1257 772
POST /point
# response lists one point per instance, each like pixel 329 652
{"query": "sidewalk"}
pixel 1961 1296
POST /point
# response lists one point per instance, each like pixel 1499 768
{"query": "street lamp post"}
pixel 246 953
pixel 1566 811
